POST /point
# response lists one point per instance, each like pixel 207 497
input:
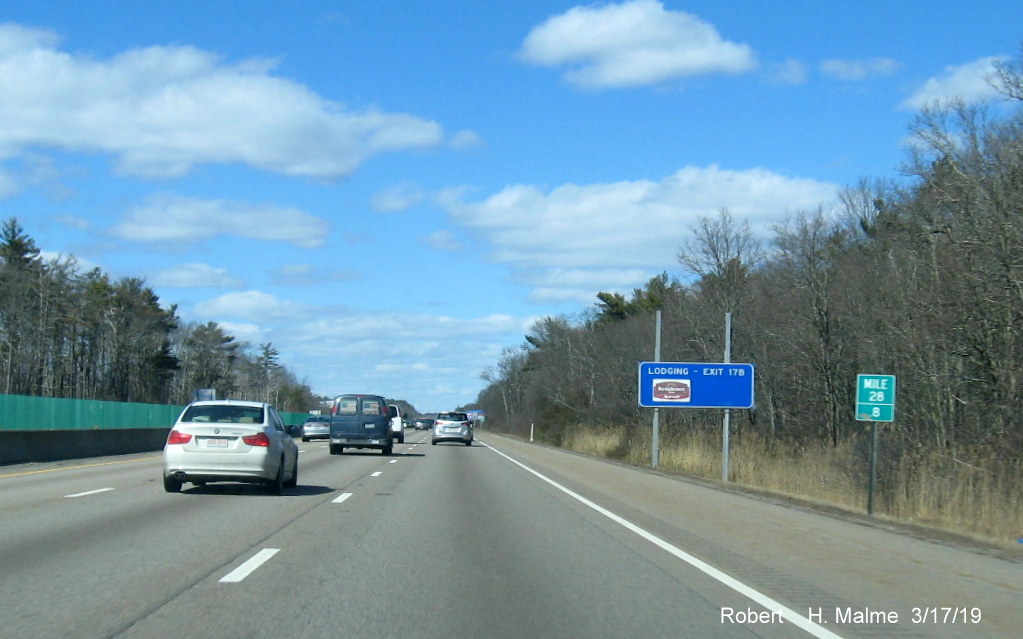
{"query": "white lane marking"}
pixel 247 568
pixel 342 497
pixel 393 461
pixel 733 583
pixel 376 474
pixel 90 492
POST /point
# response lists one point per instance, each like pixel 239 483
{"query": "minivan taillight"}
pixel 176 437
pixel 259 439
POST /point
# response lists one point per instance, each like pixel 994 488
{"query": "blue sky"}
pixel 392 192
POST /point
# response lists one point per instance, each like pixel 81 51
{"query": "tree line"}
pixel 920 277
pixel 69 334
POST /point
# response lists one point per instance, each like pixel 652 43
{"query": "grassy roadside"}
pixel 926 489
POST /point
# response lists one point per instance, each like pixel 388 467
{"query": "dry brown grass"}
pixel 924 488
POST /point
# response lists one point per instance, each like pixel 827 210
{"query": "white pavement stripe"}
pixel 770 604
pixel 393 461
pixel 90 492
pixel 247 568
pixel 376 474
pixel 342 497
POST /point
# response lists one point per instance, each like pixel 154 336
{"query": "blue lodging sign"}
pixel 695 385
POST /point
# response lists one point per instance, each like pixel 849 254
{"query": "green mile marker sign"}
pixel 875 398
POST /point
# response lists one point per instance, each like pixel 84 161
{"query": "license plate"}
pixel 216 443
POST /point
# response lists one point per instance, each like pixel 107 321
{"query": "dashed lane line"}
pixel 88 492
pixel 250 566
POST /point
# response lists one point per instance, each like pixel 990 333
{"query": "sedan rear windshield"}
pixel 453 417
pixel 224 414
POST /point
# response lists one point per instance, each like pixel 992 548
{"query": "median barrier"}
pixel 25 446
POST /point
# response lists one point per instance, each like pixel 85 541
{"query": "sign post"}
pixel 655 439
pixel 875 402
pixel 695 385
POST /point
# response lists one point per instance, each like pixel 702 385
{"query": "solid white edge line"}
pixel 90 492
pixel 247 568
pixel 733 583
pixel 342 497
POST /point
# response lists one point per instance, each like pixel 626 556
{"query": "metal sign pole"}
pixel 726 425
pixel 873 467
pixel 655 443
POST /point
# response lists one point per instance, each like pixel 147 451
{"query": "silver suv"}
pixel 449 427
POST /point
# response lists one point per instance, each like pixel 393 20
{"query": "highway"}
pixel 501 539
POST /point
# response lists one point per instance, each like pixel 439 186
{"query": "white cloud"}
pixel 791 71
pixel 195 275
pixel 8 185
pixel 857 70
pixel 256 307
pixel 632 44
pixel 967 82
pixel 409 326
pixel 398 198
pixel 580 285
pixel 75 222
pixel 589 233
pixel 175 219
pixel 161 110
pixel 309 275
pixel 465 139
pixel 443 240
pixel 245 332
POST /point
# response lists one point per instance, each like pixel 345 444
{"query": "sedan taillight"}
pixel 177 437
pixel 259 439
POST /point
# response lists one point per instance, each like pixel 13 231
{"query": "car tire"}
pixel 305 439
pixel 388 449
pixel 171 485
pixel 468 443
pixel 401 438
pixel 433 442
pixel 336 450
pixel 291 483
pixel 276 485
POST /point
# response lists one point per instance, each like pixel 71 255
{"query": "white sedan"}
pixel 227 440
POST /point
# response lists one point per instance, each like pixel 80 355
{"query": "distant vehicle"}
pixel 423 423
pixel 452 427
pixel 397 425
pixel 316 427
pixel 361 421
pixel 226 440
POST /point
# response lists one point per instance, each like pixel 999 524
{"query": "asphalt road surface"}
pixel 501 539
